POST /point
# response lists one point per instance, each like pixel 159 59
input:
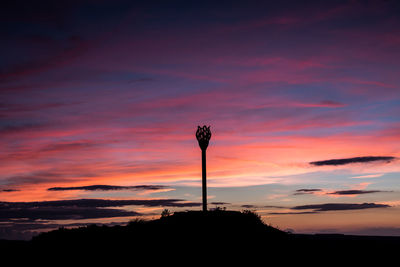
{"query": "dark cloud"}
pixel 220 203
pixel 306 191
pixel 8 232
pixel 79 209
pixel 339 192
pixel 317 208
pixel 141 80
pixel 339 206
pixel 9 190
pixel 62 174
pixel 39 177
pixel 64 213
pixel 62 52
pixel 336 162
pixel 68 146
pixel 292 213
pixel 110 187
pixel 355 192
pixel 275 207
pixel 247 206
pixel 376 231
pixel 10 109
pixel 15 128
pixel 52 34
pixel 100 203
pixel 20 220
pixel 48 151
pixel 329 103
pixel 25 230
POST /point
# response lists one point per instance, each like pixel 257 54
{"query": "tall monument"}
pixel 203 135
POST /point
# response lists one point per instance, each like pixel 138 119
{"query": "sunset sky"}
pixel 100 102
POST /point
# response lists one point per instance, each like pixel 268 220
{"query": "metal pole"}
pixel 204 178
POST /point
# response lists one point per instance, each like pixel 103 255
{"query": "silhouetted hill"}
pixel 193 233
pixel 186 230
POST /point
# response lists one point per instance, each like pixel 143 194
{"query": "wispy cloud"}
pixel 345 161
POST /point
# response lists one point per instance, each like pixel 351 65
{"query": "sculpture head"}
pixel 203 135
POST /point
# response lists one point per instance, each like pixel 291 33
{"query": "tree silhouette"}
pixel 165 213
pixel 203 135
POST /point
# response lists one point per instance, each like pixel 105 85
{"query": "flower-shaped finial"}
pixel 203 135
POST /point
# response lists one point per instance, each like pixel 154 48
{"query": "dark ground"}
pixel 199 236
